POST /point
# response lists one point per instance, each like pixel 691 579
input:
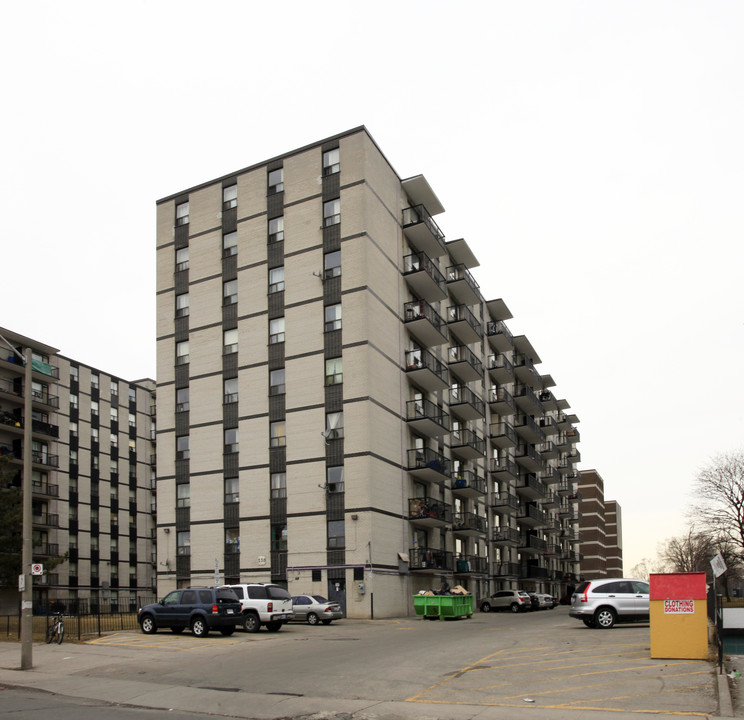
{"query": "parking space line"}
pixel 131 640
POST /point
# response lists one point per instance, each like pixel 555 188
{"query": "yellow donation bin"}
pixel 679 618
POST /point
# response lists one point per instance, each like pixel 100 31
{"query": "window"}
pixel 336 534
pixel 182 352
pixel 132 420
pixel 74 401
pixel 114 414
pixel 73 373
pixel 182 214
pixel 183 495
pixel 94 408
pixel 183 543
pixel 230 341
pixel 229 197
pixel 73 514
pixel 231 390
pixel 332 264
pixel 276 279
pixel 94 435
pixel 278 537
pixel 334 372
pixel 334 426
pixel 229 292
pixel 132 446
pixel 278 432
pixel 335 479
pixel 231 440
pixel 278 485
pixel 332 317
pixel 331 213
pixel 182 305
pixel 132 395
pixel 182 259
pixel 231 490
pixel 114 544
pixel 182 447
pixel 276 229
pixel 276 181
pixel 276 330
pixel 331 161
pixel 114 468
pixel 232 540
pixel 229 244
pixel 94 515
pixel 73 429
pixel 182 399
pixel 94 382
pixel 114 440
pixel 276 382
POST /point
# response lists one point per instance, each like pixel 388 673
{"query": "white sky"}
pixel 591 153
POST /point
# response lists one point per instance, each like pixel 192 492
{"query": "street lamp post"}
pixel 25 579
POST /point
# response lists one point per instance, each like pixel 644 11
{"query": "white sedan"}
pixel 315 609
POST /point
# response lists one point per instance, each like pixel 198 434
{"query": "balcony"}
pixel 424 323
pixel 505 503
pixel 552 525
pixel 463 323
pixel 531 545
pixel 531 516
pixel 551 500
pixel 44 488
pixel 548 400
pixel 464 363
pixel 502 469
pixel 426 464
pixel 505 570
pixel 548 450
pixel 500 369
pixel 424 277
pixel 13 392
pixel 548 426
pixel 531 488
pixel 41 457
pixel 573 435
pixel 502 435
pixel 525 371
pixel 550 476
pixel 566 488
pixel 44 428
pixel 527 400
pixel 466 404
pixel 529 459
pixel 528 429
pixel 534 572
pixel 426 371
pixel 469 524
pixel 426 418
pixel 423 233
pixel 429 559
pixel 470 565
pixel 428 512
pixel 467 484
pixel 506 537
pixel 467 444
pixel 46 550
pixel 565 510
pixel 45 519
pixel 462 286
pixel 501 402
pixel 499 336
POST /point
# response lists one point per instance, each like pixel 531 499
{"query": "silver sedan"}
pixel 315 609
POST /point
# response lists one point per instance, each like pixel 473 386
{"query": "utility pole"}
pixel 25 580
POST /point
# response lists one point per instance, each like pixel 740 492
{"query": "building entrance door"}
pixel 337 592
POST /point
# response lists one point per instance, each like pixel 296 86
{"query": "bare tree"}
pixel 689 553
pixel 647 566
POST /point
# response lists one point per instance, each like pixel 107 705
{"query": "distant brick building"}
pixel 600 527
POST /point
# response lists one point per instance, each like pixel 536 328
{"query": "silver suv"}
pixel 602 603
pixel 513 600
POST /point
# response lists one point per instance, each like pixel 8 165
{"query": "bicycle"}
pixel 56 631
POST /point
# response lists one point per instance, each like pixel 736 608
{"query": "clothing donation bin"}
pixel 678 614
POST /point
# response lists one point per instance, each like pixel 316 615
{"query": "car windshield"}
pixel 226 596
pixel 319 599
pixel 278 593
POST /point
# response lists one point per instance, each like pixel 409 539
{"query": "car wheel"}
pixel 148 624
pixel 588 622
pixel 326 622
pixel 485 607
pixel 199 627
pixel 177 630
pixel 227 631
pixel 312 619
pixel 514 607
pixel 274 625
pixel 604 618
pixel 251 623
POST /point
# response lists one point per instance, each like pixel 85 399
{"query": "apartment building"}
pixel 93 469
pixel 614 538
pixel 340 410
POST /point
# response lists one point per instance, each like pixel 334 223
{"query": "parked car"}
pixel 263 604
pixel 551 601
pixel 315 609
pixel 544 601
pixel 602 603
pixel 513 600
pixel 199 608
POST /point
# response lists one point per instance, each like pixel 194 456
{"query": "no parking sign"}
pixel 37 569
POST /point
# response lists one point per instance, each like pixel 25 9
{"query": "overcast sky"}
pixel 591 154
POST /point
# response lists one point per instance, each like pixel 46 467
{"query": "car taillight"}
pixel 215 609
pixel 327 610
pixel 271 607
pixel 584 598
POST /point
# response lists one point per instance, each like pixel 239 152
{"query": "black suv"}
pixel 200 608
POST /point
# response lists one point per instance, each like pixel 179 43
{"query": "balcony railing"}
pixel 533 514
pixel 429 559
pixel 415 218
pixel 470 564
pixel 43 488
pixel 42 458
pixel 428 280
pixel 499 336
pixel 428 370
pixel 45 428
pixel 533 485
pixel 535 572
pixel 505 501
pixel 462 285
pixel 533 543
pixel 458 354
pixel 501 401
pixel 467 480
pixel 467 522
pixel 426 460
pixel 427 417
pixel 425 322
pixel 506 536
pixel 46 519
pixel 506 569
pixel 464 322
pixel 429 510
pixel 500 368
pixel 502 468
pixel 465 441
pixel 502 434
pixel 460 395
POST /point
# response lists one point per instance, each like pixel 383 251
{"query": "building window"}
pixel 332 317
pixel 276 181
pixel 182 447
pixel 336 534
pixel 276 330
pixel 94 462
pixel 331 212
pixel 114 414
pixel 334 426
pixel 73 429
pixel 132 395
pixel 231 440
pixel 132 420
pixel 132 446
pixel 114 440
pixel 114 388
pixel 182 259
pixel 229 244
pixel 230 292
pixel 183 543
pixel 229 197
pixel 231 490
pixel 232 540
pixel 94 435
pixel 276 382
pixel 94 382
pixel 182 352
pixel 332 264
pixel 94 408
pixel 183 495
pixel 182 399
pixel 73 373
pixel 331 162
pixel 114 467
pixel 276 279
pixel 279 538
pixel 182 214
pixel 74 401
pixel 334 371
pixel 278 432
pixel 230 341
pixel 276 229
pixel 279 485
pixel 182 305
pixel 231 390
pixel 335 479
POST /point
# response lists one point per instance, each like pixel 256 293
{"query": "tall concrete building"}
pixel 601 529
pixel 93 472
pixel 340 410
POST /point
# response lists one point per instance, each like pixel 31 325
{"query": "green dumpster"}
pixel 448 607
